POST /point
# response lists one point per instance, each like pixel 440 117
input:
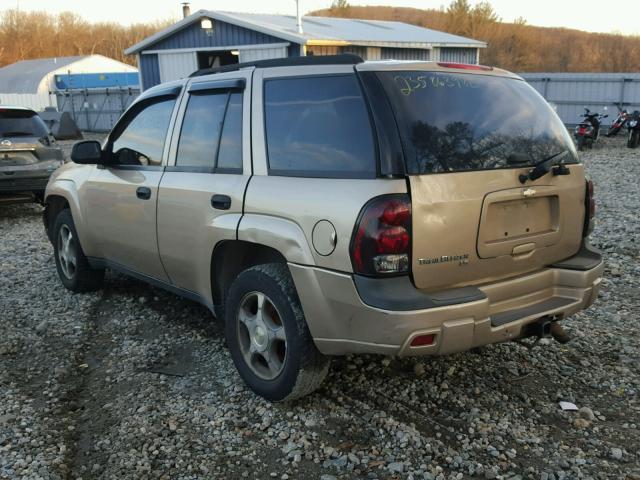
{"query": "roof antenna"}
pixel 298 17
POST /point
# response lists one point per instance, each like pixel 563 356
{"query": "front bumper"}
pixel 342 323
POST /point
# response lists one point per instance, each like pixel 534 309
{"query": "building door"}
pixel 174 66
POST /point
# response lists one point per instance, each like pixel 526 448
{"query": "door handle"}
pixel 221 202
pixel 143 193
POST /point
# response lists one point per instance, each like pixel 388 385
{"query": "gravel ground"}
pixel 133 382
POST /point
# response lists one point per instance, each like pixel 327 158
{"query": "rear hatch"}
pixel 23 135
pixel 467 138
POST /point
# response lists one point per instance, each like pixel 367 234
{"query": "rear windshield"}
pixel 21 123
pixel 456 122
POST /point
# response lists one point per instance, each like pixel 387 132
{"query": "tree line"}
pixel 514 46
pixel 26 35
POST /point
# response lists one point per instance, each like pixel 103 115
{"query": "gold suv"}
pixel 326 206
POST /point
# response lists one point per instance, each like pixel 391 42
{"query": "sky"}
pixel 589 15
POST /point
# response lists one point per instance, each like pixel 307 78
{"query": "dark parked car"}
pixel 28 155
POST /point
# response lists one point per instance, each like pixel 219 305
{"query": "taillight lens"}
pixel 381 242
pixel 590 209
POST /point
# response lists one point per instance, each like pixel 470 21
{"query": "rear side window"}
pixel 21 123
pixel 142 140
pixel 318 127
pixel 211 135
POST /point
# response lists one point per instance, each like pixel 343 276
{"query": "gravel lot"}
pixel 133 382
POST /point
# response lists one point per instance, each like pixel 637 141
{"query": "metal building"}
pixel 212 38
pixel 31 83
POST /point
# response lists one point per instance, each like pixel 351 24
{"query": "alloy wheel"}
pixel 67 254
pixel 261 335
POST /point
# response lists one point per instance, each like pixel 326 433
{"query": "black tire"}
pixel 83 278
pixel 304 367
pixel 580 142
pixel 613 130
pixel 634 139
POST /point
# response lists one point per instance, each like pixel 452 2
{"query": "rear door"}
pixel 201 193
pixel 467 139
pixel 121 197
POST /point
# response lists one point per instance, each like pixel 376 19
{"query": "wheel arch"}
pixel 231 257
pixel 54 204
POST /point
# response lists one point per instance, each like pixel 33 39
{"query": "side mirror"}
pixel 87 152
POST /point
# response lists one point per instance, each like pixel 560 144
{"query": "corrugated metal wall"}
pixel 149 70
pixel 253 54
pixel 223 34
pixel 570 93
pixel 174 66
pixel 460 55
pixel 356 50
pixel 96 110
pixel 35 101
pixel 404 54
pixel 322 50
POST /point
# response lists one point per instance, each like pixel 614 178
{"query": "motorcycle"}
pixel 588 130
pixel 618 123
pixel 633 125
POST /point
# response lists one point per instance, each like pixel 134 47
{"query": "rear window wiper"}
pixel 543 167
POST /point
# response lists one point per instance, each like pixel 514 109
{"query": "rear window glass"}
pixel 21 123
pixel 318 127
pixel 456 122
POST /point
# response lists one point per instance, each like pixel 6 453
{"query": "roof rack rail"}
pixel 343 59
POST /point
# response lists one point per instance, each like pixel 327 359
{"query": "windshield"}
pixel 21 123
pixel 454 122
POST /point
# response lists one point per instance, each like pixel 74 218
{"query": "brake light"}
pixel 465 66
pixel 590 210
pixel 381 240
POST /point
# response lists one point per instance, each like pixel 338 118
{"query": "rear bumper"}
pixel 341 322
pixel 21 184
pixel 27 178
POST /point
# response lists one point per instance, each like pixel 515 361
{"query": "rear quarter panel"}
pixel 304 202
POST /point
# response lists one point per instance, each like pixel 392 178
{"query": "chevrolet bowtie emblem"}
pixel 528 192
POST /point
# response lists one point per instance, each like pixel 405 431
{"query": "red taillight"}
pixel 590 209
pixel 382 241
pixel 582 130
pixel 422 340
pixel 465 66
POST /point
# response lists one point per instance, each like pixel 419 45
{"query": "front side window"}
pixel 318 127
pixel 453 122
pixel 211 134
pixel 142 140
